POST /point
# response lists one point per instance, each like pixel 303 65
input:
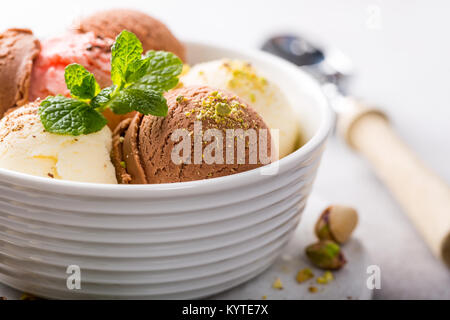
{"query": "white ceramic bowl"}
pixel 180 240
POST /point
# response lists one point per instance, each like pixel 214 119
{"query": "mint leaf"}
pixel 80 82
pixel 163 72
pixel 125 52
pixel 62 115
pixel 141 99
pixel 101 100
pixel 137 70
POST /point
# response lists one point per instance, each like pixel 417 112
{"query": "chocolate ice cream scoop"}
pixel 207 133
pixel 153 34
pixel 18 49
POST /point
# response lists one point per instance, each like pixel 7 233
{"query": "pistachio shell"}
pixel 322 228
pixel 343 221
pixel 336 223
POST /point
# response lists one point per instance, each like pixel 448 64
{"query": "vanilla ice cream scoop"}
pixel 266 98
pixel 26 147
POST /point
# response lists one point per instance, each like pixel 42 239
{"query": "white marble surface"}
pixel 401 54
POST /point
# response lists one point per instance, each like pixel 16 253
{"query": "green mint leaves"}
pixel 62 115
pixel 163 71
pixel 80 82
pixel 138 85
pixel 126 58
pixel 146 101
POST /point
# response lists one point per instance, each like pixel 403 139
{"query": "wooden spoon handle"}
pixel 422 194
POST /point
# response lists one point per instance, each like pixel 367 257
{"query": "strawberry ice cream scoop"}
pixel 92 52
pixel 56 53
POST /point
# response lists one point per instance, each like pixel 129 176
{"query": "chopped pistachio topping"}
pixel 325 278
pixel 222 110
pixel 243 75
pixel 277 284
pixel 304 275
pixel 123 164
pixel 181 99
pixel 313 289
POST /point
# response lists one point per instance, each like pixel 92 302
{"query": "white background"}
pixel 402 64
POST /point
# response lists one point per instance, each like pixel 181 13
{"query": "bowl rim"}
pixel 200 186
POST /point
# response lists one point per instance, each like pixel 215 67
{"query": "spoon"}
pixel 423 195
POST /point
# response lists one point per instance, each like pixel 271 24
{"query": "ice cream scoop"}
pixel 26 147
pixel 83 48
pixel 266 98
pixel 58 52
pixel 146 148
pixel 153 34
pixel 18 49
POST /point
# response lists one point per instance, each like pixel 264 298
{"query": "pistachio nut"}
pixel 336 223
pixel 326 254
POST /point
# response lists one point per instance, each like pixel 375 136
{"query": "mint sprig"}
pixel 138 85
